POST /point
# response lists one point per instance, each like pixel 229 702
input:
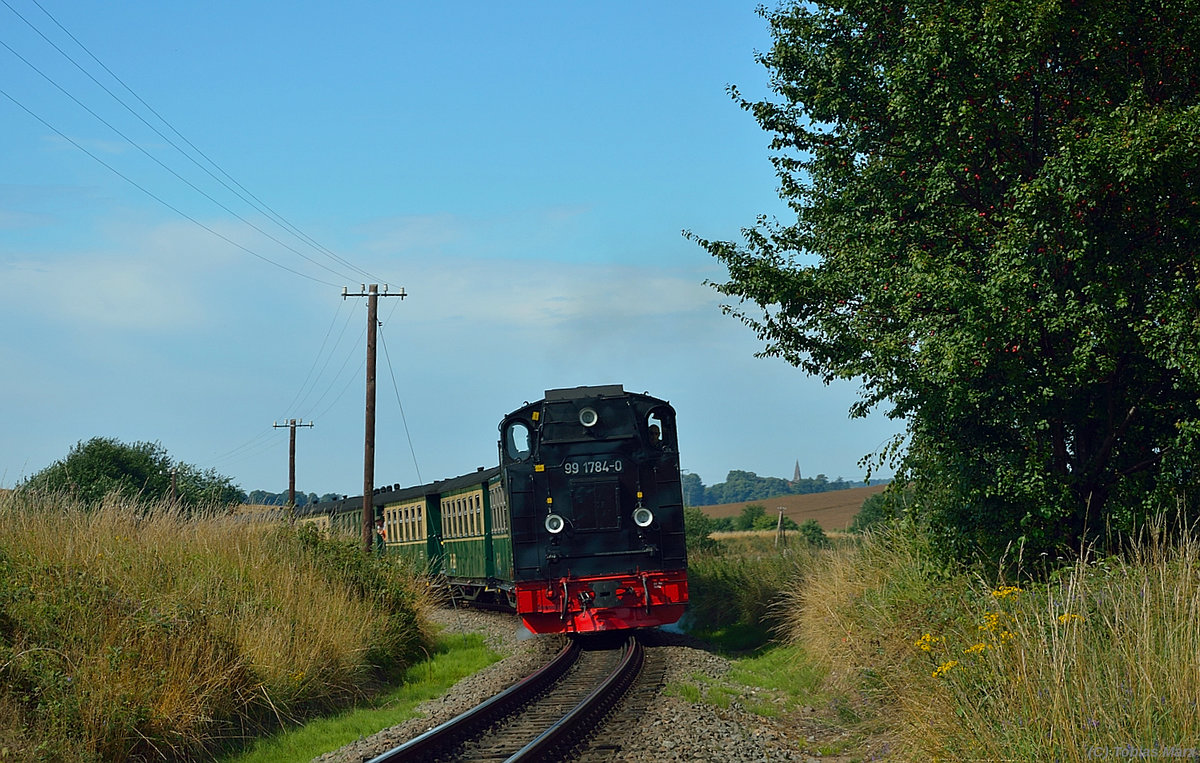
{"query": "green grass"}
pixel 775 681
pixel 135 631
pixel 454 659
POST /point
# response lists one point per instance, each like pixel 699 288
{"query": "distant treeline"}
pixel 747 486
pixel 738 486
pixel 263 498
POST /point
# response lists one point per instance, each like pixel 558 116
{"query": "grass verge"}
pixel 454 658
pixel 134 631
pixel 1098 659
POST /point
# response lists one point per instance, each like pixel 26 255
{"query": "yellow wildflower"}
pixel 977 648
pixel 1064 619
pixel 944 668
pixel 1005 591
pixel 926 642
pixel 991 621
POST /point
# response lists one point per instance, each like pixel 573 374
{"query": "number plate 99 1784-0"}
pixel 594 466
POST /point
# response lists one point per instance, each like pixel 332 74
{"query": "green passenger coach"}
pixel 456 529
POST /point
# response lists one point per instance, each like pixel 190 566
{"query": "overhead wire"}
pixel 160 163
pixel 157 198
pixel 244 194
pixel 301 395
pixel 264 440
pixel 246 449
pixel 354 377
pixel 396 388
pixel 354 347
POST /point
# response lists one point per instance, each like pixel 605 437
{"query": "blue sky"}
pixel 524 171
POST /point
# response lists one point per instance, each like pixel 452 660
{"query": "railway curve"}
pixel 540 717
pixel 651 725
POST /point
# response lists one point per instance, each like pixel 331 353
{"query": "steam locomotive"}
pixel 579 528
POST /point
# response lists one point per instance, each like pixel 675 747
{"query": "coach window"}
pixel 516 440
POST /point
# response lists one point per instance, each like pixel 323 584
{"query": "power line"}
pixel 350 354
pixel 252 201
pixel 260 443
pixel 157 198
pixel 157 161
pixel 403 419
pixel 300 393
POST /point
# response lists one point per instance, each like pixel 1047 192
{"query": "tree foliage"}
pixel 880 508
pixel 693 489
pixel 698 530
pixel 267 498
pixel 769 522
pixel 996 229
pixel 104 465
pixel 750 514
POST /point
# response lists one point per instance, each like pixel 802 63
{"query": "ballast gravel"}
pixel 671 729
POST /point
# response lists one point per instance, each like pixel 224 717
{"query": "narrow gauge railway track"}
pixel 539 718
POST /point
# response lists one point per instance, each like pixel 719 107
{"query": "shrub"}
pixel 698 529
pixel 749 515
pixel 813 533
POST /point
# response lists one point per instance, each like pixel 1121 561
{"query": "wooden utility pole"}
pixel 292 424
pixel 368 510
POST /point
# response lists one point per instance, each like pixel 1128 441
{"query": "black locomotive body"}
pixel 591 476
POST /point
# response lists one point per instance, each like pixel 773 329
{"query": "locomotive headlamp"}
pixel 588 417
pixel 642 517
pixel 555 524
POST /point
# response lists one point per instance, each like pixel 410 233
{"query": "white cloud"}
pixel 548 296
pixel 153 283
pixel 521 234
pixel 112 293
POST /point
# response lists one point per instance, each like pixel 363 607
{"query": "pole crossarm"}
pixel 291 425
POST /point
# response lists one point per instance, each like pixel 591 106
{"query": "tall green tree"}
pixel 693 489
pixel 104 465
pixel 996 228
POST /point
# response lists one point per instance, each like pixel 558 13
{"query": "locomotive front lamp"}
pixel 588 417
pixel 642 517
pixel 555 524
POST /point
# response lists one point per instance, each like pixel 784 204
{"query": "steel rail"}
pixel 589 712
pixel 436 741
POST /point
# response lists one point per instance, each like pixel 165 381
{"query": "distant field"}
pixel 833 510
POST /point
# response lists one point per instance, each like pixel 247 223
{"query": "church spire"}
pixel 796 476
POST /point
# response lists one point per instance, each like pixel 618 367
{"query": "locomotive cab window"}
pixel 517 440
pixel 658 434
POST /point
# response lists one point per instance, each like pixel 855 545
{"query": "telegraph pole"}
pixel 368 513
pixel 292 424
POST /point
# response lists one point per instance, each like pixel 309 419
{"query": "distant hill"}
pixel 833 510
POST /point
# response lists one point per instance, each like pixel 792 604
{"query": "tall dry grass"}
pixel 735 589
pixel 1101 660
pixel 132 631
